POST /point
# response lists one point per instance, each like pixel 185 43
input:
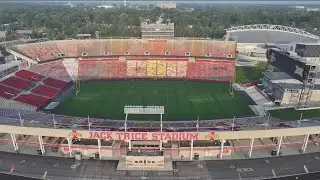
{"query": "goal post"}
pixel 231 89
pixel 133 109
pixel 77 86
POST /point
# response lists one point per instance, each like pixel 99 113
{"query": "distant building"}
pixel 313 9
pixel 298 7
pixel 106 6
pixel 157 30
pixel 84 36
pixel 298 83
pixel 24 32
pixel 3 35
pixel 166 5
pixel 70 5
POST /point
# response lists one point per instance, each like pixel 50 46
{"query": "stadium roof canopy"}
pixel 262 33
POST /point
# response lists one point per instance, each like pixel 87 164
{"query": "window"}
pixel 140 161
pixel 208 54
pixel 167 53
pixel 106 53
pixel 84 54
pixel 187 54
pixel 153 162
pixel 136 162
pixel 147 53
pixel 149 162
pixel 229 56
pixel 126 53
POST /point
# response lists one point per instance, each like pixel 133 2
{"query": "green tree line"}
pixel 59 22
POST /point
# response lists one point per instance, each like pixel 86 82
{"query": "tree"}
pixel 60 21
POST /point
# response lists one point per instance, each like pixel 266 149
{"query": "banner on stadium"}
pixel 170 136
pixel 145 136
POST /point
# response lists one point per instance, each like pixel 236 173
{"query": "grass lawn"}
pixel 250 74
pixel 291 114
pixel 182 100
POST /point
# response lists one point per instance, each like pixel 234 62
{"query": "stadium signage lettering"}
pixel 171 136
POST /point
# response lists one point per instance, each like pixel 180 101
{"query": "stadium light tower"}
pixel 54 121
pixel 233 121
pixel 197 125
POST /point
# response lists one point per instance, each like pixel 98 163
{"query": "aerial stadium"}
pixel 147 104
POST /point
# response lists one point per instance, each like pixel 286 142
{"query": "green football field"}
pixel 250 74
pixel 290 114
pixel 183 100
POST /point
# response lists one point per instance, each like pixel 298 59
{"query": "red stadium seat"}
pixel 55 70
pixel 46 91
pixel 68 47
pixel 16 82
pixel 101 69
pixel 32 99
pixel 192 72
pixel 119 47
pixel 28 75
pixel 55 83
pixel 8 92
pixel 40 51
pixel 122 69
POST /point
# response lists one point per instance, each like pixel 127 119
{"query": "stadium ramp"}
pixel 72 66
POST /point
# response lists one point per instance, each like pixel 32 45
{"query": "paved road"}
pixel 15 177
pixel 64 168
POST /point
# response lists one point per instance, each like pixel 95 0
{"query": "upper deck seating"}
pixel 68 47
pixel 40 51
pixel 84 47
pixel 128 47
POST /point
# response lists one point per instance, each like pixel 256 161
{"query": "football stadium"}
pixel 146 104
pixel 110 74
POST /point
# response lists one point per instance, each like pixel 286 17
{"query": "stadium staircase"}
pixel 55 69
pixel 71 65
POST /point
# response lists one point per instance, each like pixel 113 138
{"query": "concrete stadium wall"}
pixel 218 135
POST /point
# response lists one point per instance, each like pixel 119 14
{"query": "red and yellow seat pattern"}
pixel 218 70
pixel 151 68
pixel 161 68
pixel 101 69
pixel 210 70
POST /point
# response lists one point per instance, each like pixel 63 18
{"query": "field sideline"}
pixel 183 100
